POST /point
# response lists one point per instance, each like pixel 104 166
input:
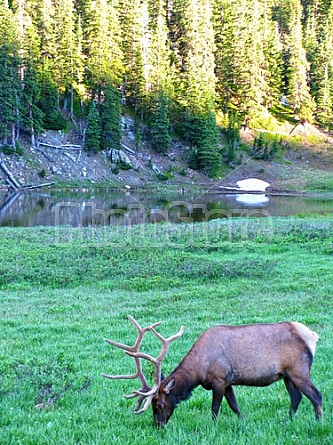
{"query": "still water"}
pixel 110 207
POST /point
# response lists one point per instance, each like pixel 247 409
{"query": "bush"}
pixel 264 147
pixel 42 173
pixel 9 150
pixel 123 166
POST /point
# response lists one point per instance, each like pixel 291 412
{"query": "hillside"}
pixel 306 163
pixel 177 66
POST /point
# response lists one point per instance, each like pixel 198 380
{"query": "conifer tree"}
pixel 110 113
pixel 160 125
pixel 158 72
pixel 135 43
pixel 224 24
pixel 203 135
pixel 297 66
pixel 159 77
pixel 48 102
pixel 9 76
pixel 273 57
pixel 209 155
pixel 65 43
pixel 318 25
pixel 101 45
pixel 44 17
pixel 92 140
pixel 31 115
pixel 192 37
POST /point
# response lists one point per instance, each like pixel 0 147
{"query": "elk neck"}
pixel 186 379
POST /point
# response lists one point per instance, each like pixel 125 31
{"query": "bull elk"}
pixel 225 356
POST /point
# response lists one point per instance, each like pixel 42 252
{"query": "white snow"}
pixel 253 185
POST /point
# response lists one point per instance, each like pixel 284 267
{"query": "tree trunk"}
pixel 10 177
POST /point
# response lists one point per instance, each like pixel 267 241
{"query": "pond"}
pixel 81 208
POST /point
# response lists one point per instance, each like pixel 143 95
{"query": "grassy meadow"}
pixel 63 290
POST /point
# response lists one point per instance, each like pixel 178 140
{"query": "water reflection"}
pixel 252 199
pixel 109 207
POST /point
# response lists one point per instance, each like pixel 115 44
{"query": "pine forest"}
pixel 190 68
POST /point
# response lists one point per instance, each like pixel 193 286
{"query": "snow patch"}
pixel 253 185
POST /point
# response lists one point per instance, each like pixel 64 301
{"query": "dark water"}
pixel 106 207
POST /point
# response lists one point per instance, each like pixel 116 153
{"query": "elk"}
pixel 225 356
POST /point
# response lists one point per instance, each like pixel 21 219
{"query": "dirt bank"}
pixel 59 160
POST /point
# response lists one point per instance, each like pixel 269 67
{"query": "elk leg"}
pixel 295 395
pixel 231 399
pixel 305 385
pixel 218 389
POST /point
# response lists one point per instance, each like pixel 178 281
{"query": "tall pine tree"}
pixel 9 76
pixel 110 112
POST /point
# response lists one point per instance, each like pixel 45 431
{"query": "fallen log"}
pixel 10 178
pixel 36 186
pixel 128 149
pixel 62 147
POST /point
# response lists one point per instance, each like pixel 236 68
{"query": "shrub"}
pixel 42 173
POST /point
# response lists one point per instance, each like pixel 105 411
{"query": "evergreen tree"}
pixel 110 113
pixel 31 115
pixel 101 45
pixel 248 56
pixel 318 24
pixel 92 140
pixel 232 134
pixel 158 72
pixel 297 66
pixel 9 76
pixel 204 138
pixel 48 102
pixel 192 37
pixel 160 125
pixel 78 88
pixel 44 17
pixel 65 43
pixel 224 29
pixel 135 44
pixel 273 58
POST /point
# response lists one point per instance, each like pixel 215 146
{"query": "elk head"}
pixel 155 395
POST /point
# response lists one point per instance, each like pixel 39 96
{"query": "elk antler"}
pixel 145 391
pixel 129 350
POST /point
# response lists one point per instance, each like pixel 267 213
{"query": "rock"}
pixel 119 157
pixel 131 136
pixel 128 128
pixel 69 156
pixel 124 158
pixel 127 123
pixel 55 170
pixel 156 169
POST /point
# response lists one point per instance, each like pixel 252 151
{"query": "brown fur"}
pixel 253 355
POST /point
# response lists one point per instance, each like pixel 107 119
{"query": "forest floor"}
pixel 304 164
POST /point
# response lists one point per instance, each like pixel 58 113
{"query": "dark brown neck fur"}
pixel 185 381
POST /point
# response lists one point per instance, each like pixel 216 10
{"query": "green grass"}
pixel 63 290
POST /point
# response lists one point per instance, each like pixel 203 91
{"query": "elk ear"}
pixel 168 387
